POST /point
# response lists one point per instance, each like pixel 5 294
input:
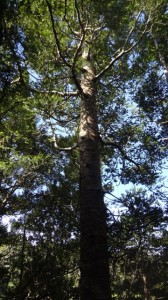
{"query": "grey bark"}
pixel 94 267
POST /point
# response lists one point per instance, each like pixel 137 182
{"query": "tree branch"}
pixel 64 122
pixel 124 155
pixel 55 141
pixel 53 92
pixel 63 94
pixel 63 149
pixel 56 35
pixel 79 18
pixel 78 49
pixel 162 60
pixel 132 29
pixel 59 46
pixel 2 115
pixel 121 52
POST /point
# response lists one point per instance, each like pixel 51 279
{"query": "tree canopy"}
pixel 83 91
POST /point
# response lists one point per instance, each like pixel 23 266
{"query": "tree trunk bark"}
pixel 94 266
pixel 145 287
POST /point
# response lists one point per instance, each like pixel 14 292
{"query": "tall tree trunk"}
pixel 145 287
pixel 93 245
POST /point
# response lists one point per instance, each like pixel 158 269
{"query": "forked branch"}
pixel 122 51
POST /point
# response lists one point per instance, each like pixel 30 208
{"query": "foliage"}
pixel 41 44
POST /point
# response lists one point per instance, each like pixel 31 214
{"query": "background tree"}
pixel 135 247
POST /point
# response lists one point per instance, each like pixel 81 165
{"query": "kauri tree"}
pixel 76 79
